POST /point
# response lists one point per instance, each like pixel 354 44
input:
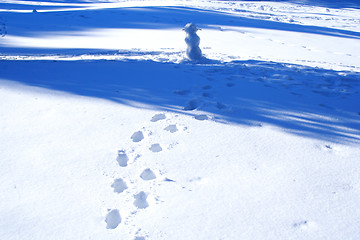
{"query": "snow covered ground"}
pixel 108 132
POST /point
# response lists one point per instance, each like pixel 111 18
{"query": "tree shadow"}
pixel 310 102
pixel 69 22
pixel 307 101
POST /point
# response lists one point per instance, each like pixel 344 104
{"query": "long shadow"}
pixel 150 18
pixel 311 102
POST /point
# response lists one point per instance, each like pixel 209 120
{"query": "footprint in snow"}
pixel 220 106
pixel 325 106
pixel 113 219
pixel 181 92
pixel 139 238
pixel 158 117
pixel 191 105
pixel 207 95
pixel 137 136
pixel 155 148
pixel 122 158
pixel 3 31
pixel 171 128
pixel 201 117
pixel 140 200
pixel 119 185
pixel 147 175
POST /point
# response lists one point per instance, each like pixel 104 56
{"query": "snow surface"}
pixel 108 132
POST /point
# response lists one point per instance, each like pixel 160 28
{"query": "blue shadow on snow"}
pixel 311 102
pixel 307 101
pixel 152 18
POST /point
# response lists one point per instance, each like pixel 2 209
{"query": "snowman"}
pixel 193 52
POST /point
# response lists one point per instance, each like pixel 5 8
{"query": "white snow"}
pixel 108 132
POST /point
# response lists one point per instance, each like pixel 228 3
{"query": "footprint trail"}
pixel 133 188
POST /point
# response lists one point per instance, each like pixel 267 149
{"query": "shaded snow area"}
pixel 108 131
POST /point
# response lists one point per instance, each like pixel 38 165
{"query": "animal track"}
pixel 147 175
pixel 171 128
pixel 140 200
pixel 137 136
pixel 119 185
pixel 155 148
pixel 158 117
pixel 122 158
pixel 113 219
